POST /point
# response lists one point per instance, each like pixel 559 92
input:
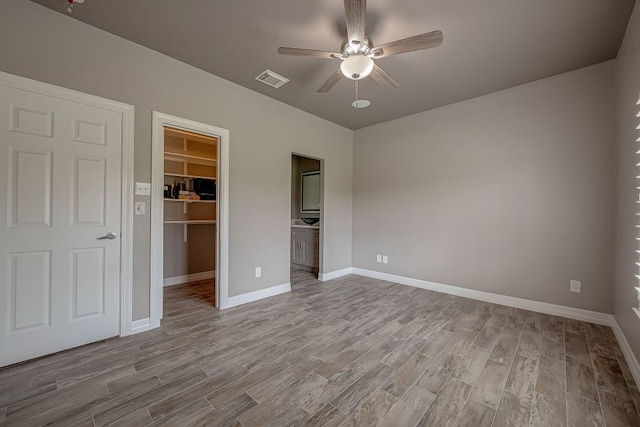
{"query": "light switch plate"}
pixel 143 189
pixel 385 259
pixel 140 208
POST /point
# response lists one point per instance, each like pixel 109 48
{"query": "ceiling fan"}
pixel 357 52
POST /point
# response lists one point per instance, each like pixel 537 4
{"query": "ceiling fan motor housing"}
pixel 356 67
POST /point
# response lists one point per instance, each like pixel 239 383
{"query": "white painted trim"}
pixel 126 212
pixel 63 93
pixel 159 120
pixel 140 325
pixel 323 277
pixel 126 226
pixel 257 295
pixel 193 277
pixel 626 350
pixel 540 307
pixel 156 272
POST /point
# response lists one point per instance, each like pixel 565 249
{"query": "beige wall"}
pixel 627 92
pixel 196 255
pixel 508 193
pixel 38 43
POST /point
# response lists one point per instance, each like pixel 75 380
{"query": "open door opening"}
pixel 306 215
pixel 189 216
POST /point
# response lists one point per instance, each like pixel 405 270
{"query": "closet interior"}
pixel 189 215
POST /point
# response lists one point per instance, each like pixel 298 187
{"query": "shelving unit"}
pixel 189 201
pixel 189 156
pixel 181 175
pixel 198 160
pixel 193 221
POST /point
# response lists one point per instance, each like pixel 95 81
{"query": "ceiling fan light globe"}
pixel 356 67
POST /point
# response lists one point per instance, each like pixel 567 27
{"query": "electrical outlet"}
pixel 258 271
pixel 379 258
pixel 385 259
pixel 575 286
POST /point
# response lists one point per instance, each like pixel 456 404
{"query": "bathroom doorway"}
pixel 306 214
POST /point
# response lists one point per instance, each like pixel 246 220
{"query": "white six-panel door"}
pixel 60 192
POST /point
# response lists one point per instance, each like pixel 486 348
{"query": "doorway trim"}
pixel 126 209
pixel 159 121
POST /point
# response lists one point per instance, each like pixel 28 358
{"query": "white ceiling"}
pixel 488 45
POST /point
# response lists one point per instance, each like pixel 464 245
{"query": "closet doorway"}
pixel 190 204
pixel 189 214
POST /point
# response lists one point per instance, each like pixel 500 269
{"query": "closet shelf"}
pixel 191 221
pixel 190 136
pixel 178 157
pixel 189 201
pixel 181 175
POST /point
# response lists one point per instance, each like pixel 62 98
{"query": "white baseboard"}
pixel 526 304
pixel 256 295
pixel 626 350
pixel 141 325
pixel 323 277
pixel 193 277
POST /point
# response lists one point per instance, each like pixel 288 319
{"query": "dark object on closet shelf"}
pixel 205 188
pixel 167 191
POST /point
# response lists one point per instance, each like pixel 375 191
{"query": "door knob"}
pixel 109 236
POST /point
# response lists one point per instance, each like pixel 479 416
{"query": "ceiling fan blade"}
pixel 410 44
pixel 331 82
pixel 381 77
pixel 355 11
pixel 308 52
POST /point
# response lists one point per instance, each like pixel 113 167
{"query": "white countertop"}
pixel 298 223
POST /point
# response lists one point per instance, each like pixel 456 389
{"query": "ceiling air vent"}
pixel 270 78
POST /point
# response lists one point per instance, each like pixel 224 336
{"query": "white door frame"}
pixel 157 199
pixel 126 217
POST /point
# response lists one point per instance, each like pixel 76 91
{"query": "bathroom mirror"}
pixel 310 192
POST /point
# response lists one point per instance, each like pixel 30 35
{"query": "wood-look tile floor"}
pixel 352 351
